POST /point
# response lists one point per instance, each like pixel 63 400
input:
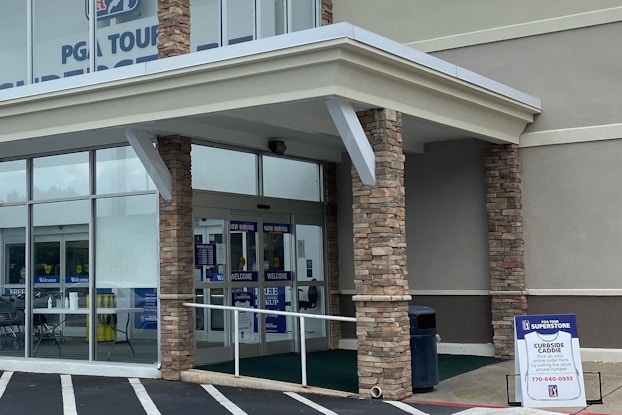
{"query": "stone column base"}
pixel 177 335
pixel 383 332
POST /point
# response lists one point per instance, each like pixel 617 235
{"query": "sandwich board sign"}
pixel 548 361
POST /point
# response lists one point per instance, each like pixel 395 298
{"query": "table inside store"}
pixel 50 332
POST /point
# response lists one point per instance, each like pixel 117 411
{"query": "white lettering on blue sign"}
pixel 279 276
pixel 244 276
pixel 276 228
pixel 243 226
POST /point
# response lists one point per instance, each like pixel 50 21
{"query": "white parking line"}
pixel 4 380
pixel 222 399
pixel 310 403
pixel 406 408
pixel 69 398
pixel 143 397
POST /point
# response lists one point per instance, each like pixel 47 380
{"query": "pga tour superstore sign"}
pixel 548 360
pixel 117 45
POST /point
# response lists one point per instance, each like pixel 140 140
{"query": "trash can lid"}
pixel 420 309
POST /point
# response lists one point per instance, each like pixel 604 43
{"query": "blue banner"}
pixel 241 226
pixel 545 324
pixel 278 275
pixel 147 299
pixel 277 228
pixel 244 276
pixel 49 279
pixel 275 300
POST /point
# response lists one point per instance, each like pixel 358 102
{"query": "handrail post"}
pixel 236 342
pixel 303 352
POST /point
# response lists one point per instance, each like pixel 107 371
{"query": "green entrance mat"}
pixel 333 369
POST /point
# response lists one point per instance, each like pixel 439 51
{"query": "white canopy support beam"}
pixel 354 139
pixel 149 156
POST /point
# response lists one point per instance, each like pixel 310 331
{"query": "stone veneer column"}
pixel 173 27
pixel 330 195
pixel 380 263
pixel 327 12
pixel 176 229
pixel 176 261
pixel 506 244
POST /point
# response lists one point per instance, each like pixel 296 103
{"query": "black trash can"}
pixel 424 357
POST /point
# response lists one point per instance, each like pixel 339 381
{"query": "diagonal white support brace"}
pixel 354 139
pixel 152 161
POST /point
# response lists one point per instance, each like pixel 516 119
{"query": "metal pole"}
pixel 236 345
pixel 303 352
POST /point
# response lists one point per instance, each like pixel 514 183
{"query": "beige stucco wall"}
pixel 573 72
pixel 446 226
pixel 571 212
pixel 413 20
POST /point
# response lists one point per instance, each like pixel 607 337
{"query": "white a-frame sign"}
pixel 548 361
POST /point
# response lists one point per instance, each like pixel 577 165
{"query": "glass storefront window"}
pixel 60 39
pixel 291 179
pixel 13 281
pixel 58 227
pixel 272 18
pixel 127 278
pixel 127 33
pixel 205 23
pixel 239 19
pixel 61 176
pixel 13 181
pixel 209 163
pixel 118 170
pixel 303 14
pixel 13 71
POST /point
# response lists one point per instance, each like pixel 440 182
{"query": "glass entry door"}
pixel 61 266
pixel 249 260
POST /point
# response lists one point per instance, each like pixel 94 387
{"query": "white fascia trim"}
pixel 354 139
pixel 434 292
pixel 153 163
pixel 589 292
pixel 571 135
pixel 520 30
pixel 271 44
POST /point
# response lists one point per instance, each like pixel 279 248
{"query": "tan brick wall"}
pixel 380 262
pixel 176 261
pixel 506 244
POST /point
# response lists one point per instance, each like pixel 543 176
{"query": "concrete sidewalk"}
pixel 486 387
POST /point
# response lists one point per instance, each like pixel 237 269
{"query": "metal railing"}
pixel 300 316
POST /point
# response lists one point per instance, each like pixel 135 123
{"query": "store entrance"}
pixel 256 260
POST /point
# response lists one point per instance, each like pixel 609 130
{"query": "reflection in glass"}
pixel 13 71
pixel 128 37
pixel 209 163
pixel 272 18
pixel 60 39
pixel 303 14
pixel 127 278
pixel 13 181
pixel 118 170
pixel 240 20
pixel 292 179
pixel 61 176
pixel 205 23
